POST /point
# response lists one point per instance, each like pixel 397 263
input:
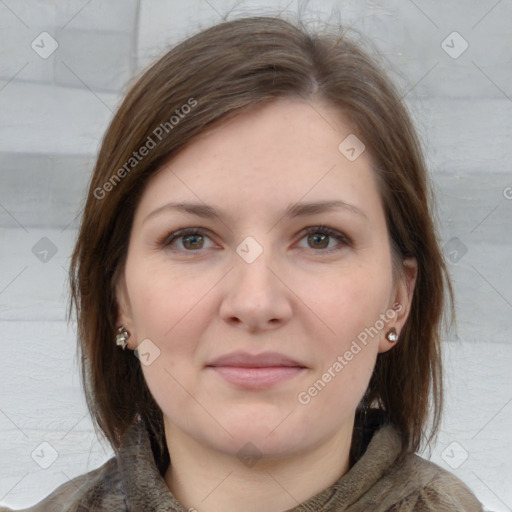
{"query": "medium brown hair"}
pixel 224 71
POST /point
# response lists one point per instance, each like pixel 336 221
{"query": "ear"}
pixel 401 301
pixel 124 311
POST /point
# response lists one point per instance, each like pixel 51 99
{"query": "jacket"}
pixel 379 481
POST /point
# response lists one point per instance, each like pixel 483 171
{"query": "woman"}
pixel 259 287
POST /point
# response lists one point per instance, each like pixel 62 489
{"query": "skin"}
pixel 305 296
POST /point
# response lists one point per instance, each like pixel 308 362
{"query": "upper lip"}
pixel 263 360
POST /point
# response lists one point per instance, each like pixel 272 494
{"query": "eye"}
pixel 320 238
pixel 190 239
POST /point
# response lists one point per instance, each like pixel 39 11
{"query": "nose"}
pixel 256 297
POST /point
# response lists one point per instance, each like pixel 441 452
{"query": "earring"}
pixel 392 335
pixel 121 336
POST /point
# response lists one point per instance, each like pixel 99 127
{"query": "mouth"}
pixel 259 371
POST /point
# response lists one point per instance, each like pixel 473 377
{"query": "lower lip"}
pixel 257 378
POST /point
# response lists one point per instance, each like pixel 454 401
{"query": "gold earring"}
pixel 121 337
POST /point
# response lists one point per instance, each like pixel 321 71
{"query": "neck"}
pixel 204 479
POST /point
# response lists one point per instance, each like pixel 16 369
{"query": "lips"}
pixel 256 371
pixel 264 360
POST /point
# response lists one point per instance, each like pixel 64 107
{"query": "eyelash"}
pixel 169 238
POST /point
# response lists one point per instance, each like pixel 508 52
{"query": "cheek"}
pixel 163 300
pixel 350 300
pixel 176 325
pixel 173 312
pixel 350 306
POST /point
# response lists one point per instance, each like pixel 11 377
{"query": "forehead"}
pixel 272 155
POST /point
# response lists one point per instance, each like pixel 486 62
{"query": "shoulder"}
pixel 409 483
pixel 427 487
pixel 383 481
pixel 99 487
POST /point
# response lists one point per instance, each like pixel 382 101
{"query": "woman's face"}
pixel 259 327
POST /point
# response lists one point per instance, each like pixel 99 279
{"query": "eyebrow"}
pixel 293 211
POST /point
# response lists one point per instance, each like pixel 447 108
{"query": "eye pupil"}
pixel 319 238
pixel 194 241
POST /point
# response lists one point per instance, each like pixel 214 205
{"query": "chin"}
pixel 273 431
pixel 248 444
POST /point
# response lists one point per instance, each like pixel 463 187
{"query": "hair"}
pixel 225 71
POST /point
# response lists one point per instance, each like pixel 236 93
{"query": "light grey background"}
pixel 54 110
